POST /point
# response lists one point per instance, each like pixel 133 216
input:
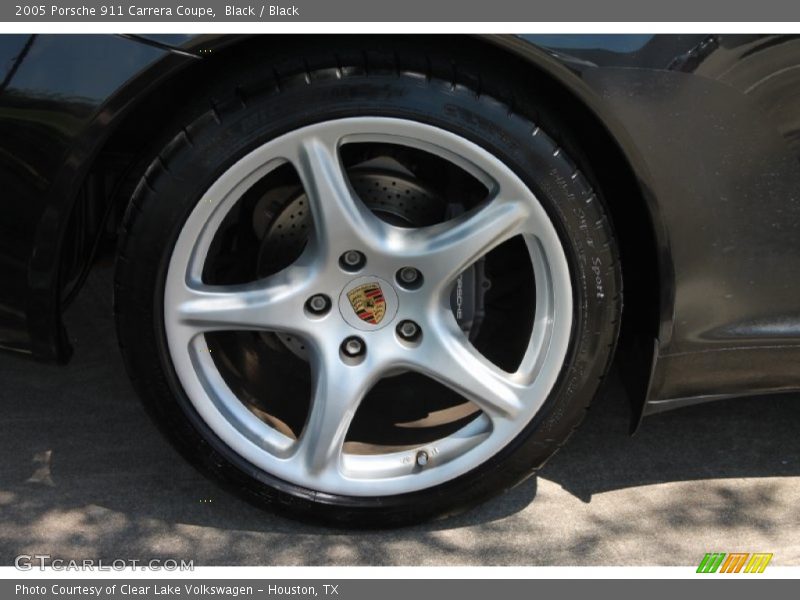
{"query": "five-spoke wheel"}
pixel 381 322
pixel 366 297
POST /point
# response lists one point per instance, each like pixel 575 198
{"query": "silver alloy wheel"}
pixel 317 460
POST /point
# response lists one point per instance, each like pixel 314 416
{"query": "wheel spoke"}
pixel 452 361
pixel 275 303
pixel 337 393
pixel 445 250
pixel 340 219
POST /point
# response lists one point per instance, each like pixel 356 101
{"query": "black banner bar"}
pixel 395 589
pixel 400 11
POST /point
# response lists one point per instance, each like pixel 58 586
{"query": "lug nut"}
pixel 318 304
pixel 353 347
pixel 422 458
pixel 352 260
pixel 408 330
pixel 409 274
pixel 409 278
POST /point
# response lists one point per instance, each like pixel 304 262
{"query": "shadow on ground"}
pixel 85 474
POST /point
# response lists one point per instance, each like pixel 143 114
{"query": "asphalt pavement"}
pixel 84 474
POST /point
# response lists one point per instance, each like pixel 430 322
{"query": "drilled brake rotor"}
pixel 283 223
pixel 395 197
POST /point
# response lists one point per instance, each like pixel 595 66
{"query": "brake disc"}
pixel 283 222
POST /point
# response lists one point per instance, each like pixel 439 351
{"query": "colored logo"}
pixel 736 562
pixel 368 302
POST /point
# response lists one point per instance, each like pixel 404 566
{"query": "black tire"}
pixel 267 100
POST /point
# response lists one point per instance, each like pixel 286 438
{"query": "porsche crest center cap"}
pixel 368 303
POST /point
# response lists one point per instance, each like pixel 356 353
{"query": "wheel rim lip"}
pixel 364 475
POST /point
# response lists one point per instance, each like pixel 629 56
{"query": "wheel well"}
pixel 128 151
pixel 586 137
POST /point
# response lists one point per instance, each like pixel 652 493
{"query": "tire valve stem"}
pixel 422 458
